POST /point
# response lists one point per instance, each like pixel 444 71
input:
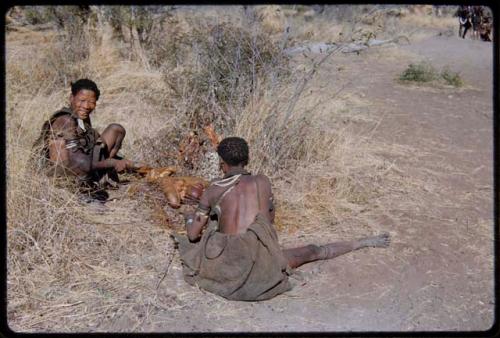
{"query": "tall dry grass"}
pixel 195 69
pixel 346 23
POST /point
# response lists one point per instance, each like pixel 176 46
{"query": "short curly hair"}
pixel 85 84
pixel 234 151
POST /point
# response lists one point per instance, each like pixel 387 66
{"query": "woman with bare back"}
pixel 238 255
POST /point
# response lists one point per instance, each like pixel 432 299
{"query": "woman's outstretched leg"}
pixel 310 253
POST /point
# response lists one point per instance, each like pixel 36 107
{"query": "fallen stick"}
pixel 169 262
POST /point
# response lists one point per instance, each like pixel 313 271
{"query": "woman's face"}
pixel 83 103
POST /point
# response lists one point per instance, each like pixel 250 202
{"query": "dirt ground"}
pixel 441 274
pixel 437 273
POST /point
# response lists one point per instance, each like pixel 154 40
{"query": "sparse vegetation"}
pixel 451 78
pixel 164 72
pixel 424 72
pixel 230 74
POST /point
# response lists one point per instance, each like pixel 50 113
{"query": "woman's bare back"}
pixel 249 197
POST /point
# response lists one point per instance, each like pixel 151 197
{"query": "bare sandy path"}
pixel 444 280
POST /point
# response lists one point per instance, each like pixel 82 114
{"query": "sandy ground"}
pixel 441 277
pixel 438 272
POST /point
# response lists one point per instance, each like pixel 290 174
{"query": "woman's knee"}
pixel 117 128
pixel 113 133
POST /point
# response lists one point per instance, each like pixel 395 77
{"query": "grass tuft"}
pixel 422 72
pixel 425 73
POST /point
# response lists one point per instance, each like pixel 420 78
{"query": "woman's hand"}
pixel 121 165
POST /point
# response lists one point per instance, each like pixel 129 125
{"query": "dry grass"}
pixel 345 23
pixel 74 267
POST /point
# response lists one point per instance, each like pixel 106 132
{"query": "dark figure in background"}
pixel 476 20
pixel 464 21
pixel 485 30
pixel 70 145
pixel 238 255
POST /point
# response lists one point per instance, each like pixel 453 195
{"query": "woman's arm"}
pixel 62 143
pixel 198 220
pixel 62 152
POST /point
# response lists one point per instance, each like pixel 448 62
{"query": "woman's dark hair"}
pixel 233 150
pixel 85 84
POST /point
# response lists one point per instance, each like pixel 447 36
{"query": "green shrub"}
pixel 426 73
pixel 422 72
pixel 451 78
